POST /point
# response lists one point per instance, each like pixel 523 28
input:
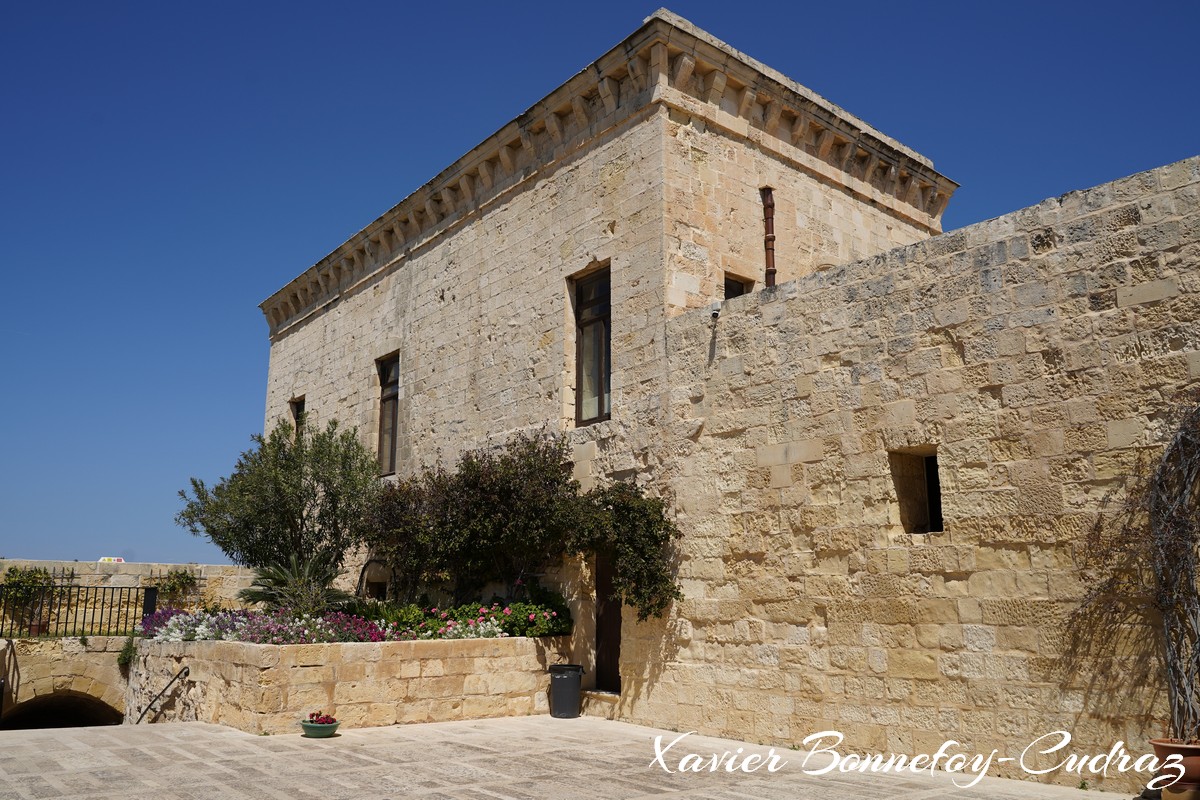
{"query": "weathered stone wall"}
pixel 480 313
pixel 34 668
pixel 217 583
pixel 1037 354
pixel 269 688
pixel 715 167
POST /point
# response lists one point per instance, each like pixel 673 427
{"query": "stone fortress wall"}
pixel 1034 354
pixel 1037 354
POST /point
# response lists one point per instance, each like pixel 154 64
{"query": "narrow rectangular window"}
pixel 297 407
pixel 593 367
pixel 389 413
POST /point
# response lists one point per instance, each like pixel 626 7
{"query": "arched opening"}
pixel 61 710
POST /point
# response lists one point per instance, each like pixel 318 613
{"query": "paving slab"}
pixel 521 758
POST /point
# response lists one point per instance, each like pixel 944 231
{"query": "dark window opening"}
pixel 593 366
pixel 736 287
pixel 389 413
pixel 297 407
pixel 919 490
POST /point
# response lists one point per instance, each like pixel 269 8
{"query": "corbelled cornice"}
pixel 667 61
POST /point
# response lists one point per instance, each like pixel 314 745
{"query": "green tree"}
pixel 307 495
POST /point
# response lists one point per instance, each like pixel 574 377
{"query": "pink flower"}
pixel 507 610
pixel 482 610
pixel 554 613
pixel 532 616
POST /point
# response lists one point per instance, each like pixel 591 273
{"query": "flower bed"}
pixel 471 621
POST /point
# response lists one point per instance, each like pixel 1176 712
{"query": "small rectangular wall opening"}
pixel 736 287
pixel 297 407
pixel 918 490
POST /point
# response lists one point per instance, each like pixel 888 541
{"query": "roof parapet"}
pixel 667 61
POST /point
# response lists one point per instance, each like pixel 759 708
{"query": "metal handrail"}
pixel 183 673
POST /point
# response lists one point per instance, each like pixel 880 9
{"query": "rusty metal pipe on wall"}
pixel 768 201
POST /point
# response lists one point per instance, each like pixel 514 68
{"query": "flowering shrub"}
pixel 182 627
pixel 153 623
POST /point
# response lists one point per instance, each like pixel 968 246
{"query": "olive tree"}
pixel 303 494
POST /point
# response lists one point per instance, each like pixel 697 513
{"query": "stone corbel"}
pixel 397 235
pixel 610 93
pixel 466 188
pixel 746 99
pixel 414 225
pixel 637 72
pixel 506 159
pixel 872 165
pixel 847 156
pixel 682 70
pixel 824 143
pixel 800 129
pixel 431 210
pixel 938 204
pixel 554 127
pixel 448 201
pixel 579 109
pixel 527 143
pixel 658 65
pixel 892 181
pixel 714 86
pixel 485 174
pixel 771 115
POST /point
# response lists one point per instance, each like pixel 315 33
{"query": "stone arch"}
pixel 39 669
pixel 61 709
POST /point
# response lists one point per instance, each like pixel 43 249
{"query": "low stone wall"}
pixel 268 688
pixel 217 583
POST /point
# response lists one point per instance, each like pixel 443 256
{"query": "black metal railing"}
pixel 68 610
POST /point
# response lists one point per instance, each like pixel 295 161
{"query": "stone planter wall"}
pixel 269 688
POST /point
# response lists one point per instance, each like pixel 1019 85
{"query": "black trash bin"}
pixel 564 690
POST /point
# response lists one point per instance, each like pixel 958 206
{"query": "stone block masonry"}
pixel 1036 355
pixel 262 688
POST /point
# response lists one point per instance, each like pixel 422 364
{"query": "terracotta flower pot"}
pixel 1191 760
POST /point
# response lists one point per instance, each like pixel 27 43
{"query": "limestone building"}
pixel 880 442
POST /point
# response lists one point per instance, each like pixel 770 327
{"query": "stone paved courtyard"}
pixel 525 758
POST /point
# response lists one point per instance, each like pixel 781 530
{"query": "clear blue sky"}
pixel 167 166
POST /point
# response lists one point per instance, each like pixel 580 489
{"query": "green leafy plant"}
pixel 176 586
pixel 633 532
pixel 28 591
pixel 302 587
pixel 305 494
pixel 127 655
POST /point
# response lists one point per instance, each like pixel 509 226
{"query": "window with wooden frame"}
pixel 389 413
pixel 593 365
